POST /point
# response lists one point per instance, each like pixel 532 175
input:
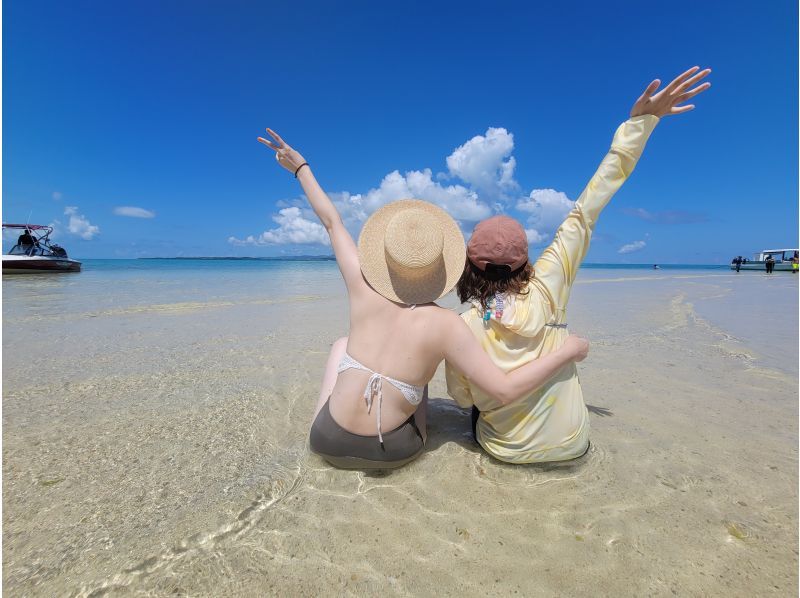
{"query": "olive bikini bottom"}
pixel 346 450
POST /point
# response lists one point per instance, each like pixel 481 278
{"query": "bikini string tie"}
pixel 375 388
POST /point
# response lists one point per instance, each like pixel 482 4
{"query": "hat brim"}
pixel 375 268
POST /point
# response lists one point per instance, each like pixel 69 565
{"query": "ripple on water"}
pixel 498 473
pixel 202 544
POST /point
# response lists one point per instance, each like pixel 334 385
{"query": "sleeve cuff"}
pixel 632 135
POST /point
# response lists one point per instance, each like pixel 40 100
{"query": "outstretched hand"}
pixel 286 156
pixel 666 101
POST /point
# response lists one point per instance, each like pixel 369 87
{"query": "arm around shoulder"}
pixel 464 353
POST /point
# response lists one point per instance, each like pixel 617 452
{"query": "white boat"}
pixel 782 257
pixel 34 253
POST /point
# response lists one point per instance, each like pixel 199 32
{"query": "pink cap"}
pixel 499 240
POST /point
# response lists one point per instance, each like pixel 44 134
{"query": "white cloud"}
pixel 133 212
pixel 293 227
pixel 485 170
pixel 534 236
pixel 58 230
pixel 631 247
pixel 481 163
pixel 351 208
pixel 299 225
pixel 547 208
pixel 457 200
pixel 79 225
pixel 667 216
pixel 57 195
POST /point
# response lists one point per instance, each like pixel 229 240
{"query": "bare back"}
pixel 394 340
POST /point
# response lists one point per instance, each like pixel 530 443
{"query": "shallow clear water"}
pixel 155 417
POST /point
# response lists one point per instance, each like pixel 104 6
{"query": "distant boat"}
pixel 34 253
pixel 782 257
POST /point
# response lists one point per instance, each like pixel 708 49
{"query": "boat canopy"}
pixel 784 255
pixel 29 226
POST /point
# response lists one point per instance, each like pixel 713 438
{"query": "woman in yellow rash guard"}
pixel 519 312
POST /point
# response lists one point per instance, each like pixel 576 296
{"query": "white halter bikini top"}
pixel 413 394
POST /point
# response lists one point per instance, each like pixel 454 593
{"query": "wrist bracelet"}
pixel 299 167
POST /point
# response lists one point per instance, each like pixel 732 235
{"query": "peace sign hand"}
pixel 666 101
pixel 287 157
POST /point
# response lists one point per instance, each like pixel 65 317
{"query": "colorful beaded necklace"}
pixel 496 306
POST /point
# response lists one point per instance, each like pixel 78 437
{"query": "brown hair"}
pixel 477 285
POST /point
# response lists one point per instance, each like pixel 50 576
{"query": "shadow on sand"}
pixel 601 411
pixel 447 422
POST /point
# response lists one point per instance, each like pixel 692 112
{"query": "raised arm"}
pixel 344 248
pixel 465 354
pixel 559 263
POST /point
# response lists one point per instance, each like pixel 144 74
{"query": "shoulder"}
pixel 442 318
pixel 470 314
pixel 441 313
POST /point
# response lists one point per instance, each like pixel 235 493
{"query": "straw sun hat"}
pixel 411 252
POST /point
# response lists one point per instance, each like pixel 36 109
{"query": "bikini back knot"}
pixel 413 394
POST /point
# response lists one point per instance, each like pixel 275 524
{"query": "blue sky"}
pixel 156 106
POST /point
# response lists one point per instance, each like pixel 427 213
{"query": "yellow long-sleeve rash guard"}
pixel 551 423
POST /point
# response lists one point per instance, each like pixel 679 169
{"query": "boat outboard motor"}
pixel 58 251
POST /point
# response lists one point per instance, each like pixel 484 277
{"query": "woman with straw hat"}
pixel 410 253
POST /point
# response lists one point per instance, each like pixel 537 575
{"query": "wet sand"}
pixel 154 443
